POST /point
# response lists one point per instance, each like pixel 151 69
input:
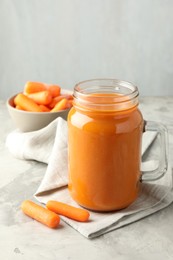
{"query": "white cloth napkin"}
pixel 49 145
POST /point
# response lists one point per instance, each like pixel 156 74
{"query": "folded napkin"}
pixel 49 145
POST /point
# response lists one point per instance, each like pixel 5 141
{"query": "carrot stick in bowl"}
pixel 40 214
pixel 26 103
pixel 32 87
pixel 61 105
pixel 69 103
pixel 44 108
pixel 41 97
pixel 19 108
pixel 54 90
pixel 64 209
pixel 55 100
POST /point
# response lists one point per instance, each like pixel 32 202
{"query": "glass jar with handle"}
pixel 105 129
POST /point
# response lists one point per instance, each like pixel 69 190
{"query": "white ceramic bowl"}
pixel 32 121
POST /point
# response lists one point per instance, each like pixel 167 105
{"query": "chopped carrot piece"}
pixel 56 100
pixel 61 105
pixel 70 97
pixel 54 90
pixel 44 108
pixel 42 97
pixel 69 103
pixel 45 97
pixel 78 214
pixel 40 214
pixel 26 103
pixel 19 107
pixel 32 87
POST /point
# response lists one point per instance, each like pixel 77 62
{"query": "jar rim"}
pixel 108 92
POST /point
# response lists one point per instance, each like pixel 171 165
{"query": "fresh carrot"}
pixel 61 105
pixel 46 98
pixel 69 103
pixel 40 214
pixel 54 90
pixel 32 87
pixel 19 108
pixel 70 96
pixel 60 208
pixel 55 100
pixel 26 103
pixel 44 108
pixel 41 97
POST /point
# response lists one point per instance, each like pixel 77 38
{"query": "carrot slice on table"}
pixel 40 214
pixel 64 209
pixel 61 105
pixel 41 97
pixel 32 87
pixel 26 103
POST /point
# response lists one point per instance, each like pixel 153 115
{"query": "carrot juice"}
pixel 105 133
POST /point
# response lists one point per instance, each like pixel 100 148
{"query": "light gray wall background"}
pixel 66 41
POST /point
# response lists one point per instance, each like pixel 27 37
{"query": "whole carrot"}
pixel 32 87
pixel 19 108
pixel 60 208
pixel 69 103
pixel 44 108
pixel 41 97
pixel 26 103
pixel 61 105
pixel 55 100
pixel 40 214
pixel 54 90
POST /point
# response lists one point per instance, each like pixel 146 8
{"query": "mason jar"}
pixel 105 128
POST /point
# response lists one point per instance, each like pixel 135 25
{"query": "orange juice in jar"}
pixel 105 135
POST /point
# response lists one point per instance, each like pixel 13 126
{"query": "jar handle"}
pixel 160 171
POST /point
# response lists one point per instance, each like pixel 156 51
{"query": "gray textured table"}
pixel 22 238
